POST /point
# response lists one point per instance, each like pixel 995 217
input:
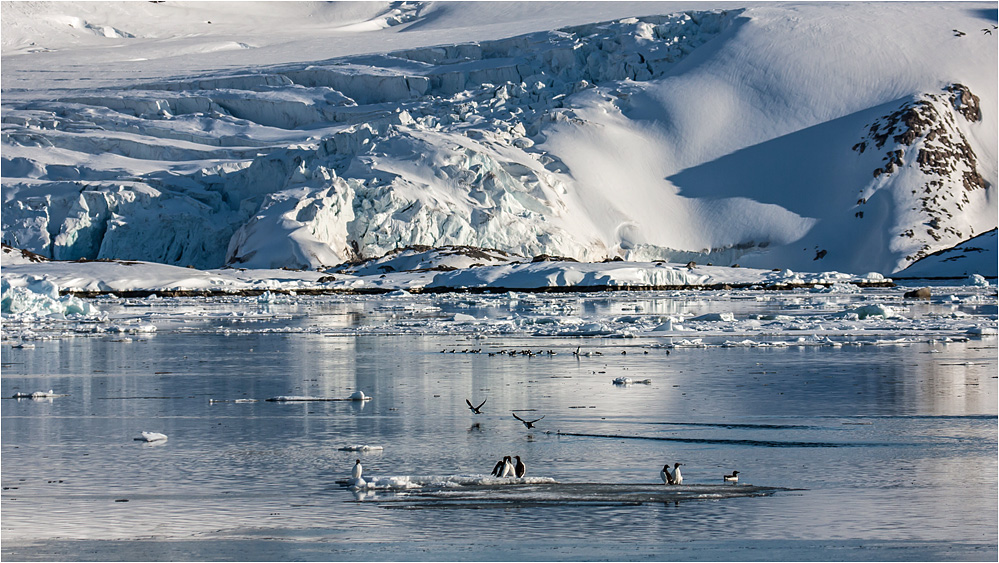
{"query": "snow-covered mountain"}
pixel 815 136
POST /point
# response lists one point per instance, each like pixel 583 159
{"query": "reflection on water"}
pixel 882 442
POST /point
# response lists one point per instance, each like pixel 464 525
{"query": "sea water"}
pixel 879 446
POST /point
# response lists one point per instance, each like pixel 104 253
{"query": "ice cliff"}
pixel 573 142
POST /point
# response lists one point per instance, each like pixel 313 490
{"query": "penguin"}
pixel 508 469
pixel 356 472
pixel 498 468
pixel 677 477
pixel 733 478
pixel 666 476
pixel 528 423
pixel 520 468
pixel 474 409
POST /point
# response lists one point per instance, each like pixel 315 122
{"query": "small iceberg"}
pixel 151 437
pixel 355 396
pixel 37 395
pixel 214 401
pixel 630 381
pixel 361 448
pixel 437 482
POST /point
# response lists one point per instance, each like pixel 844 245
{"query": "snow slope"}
pixel 817 136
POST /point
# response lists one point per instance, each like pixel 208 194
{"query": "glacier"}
pixel 723 136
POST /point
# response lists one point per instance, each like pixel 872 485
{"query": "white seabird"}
pixel 677 477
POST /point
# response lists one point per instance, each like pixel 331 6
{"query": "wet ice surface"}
pixel 872 442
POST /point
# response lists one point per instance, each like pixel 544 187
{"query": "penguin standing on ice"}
pixel 508 469
pixel 355 474
pixel 677 477
pixel 499 467
pixel 520 468
pixel 666 476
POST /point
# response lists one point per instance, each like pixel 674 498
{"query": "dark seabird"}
pixel 528 423
pixel 519 468
pixel 475 410
pixel 356 472
pixel 734 477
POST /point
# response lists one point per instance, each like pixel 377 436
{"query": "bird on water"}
pixel 733 478
pixel 528 423
pixel 473 408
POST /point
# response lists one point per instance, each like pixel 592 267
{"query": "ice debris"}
pixel 37 395
pixel 39 297
pixel 151 437
pixel 361 448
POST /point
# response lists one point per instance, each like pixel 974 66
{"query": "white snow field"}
pixel 853 137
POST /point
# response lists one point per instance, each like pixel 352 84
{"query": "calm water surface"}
pixel 889 452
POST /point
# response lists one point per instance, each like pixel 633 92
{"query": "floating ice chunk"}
pixel 671 325
pixel 983 331
pixel 463 318
pixel 213 401
pixel 355 396
pixel 151 437
pixel 408 482
pixel 39 297
pixel 37 395
pixel 361 448
pixel 716 317
pixel 866 311
pixel 630 381
pixel 977 280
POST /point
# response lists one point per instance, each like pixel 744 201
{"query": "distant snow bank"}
pixel 979 255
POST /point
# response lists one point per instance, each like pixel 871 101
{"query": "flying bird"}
pixel 958 33
pixel 528 423
pixel 474 409
pixel 987 30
